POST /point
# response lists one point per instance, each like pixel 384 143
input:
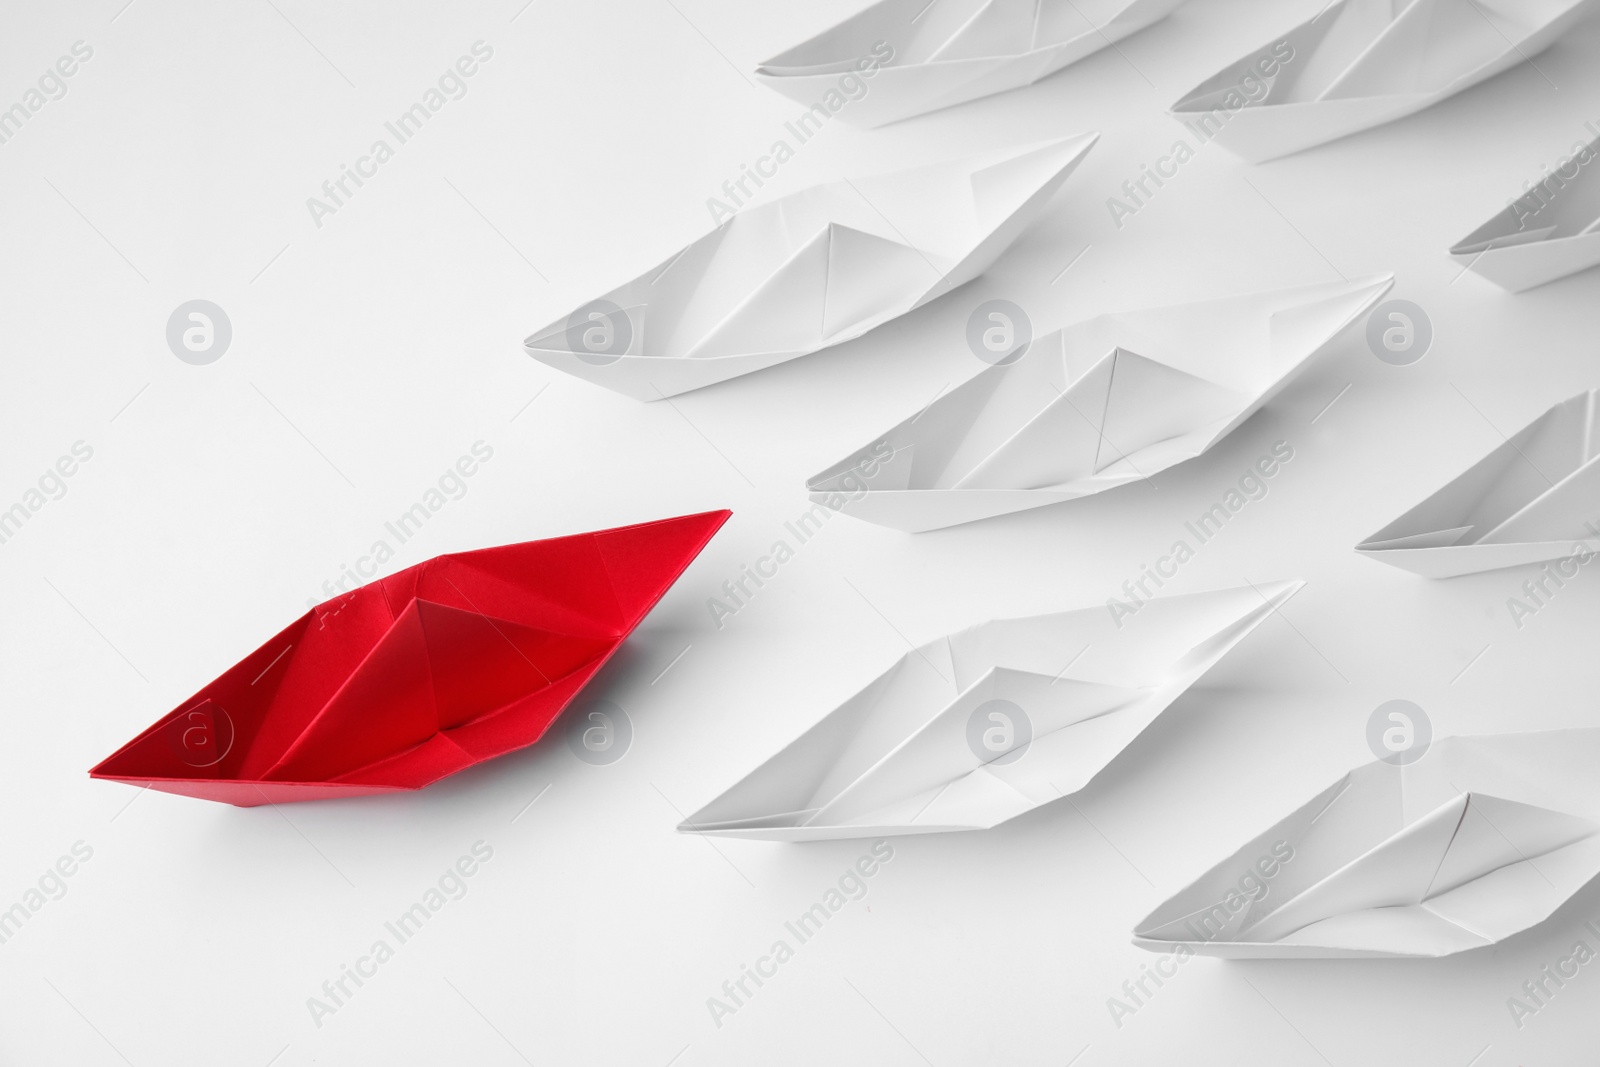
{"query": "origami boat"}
pixel 1482 838
pixel 1361 63
pixel 913 56
pixel 812 269
pixel 1534 498
pixel 1549 233
pixel 415 676
pixel 1090 407
pixel 981 726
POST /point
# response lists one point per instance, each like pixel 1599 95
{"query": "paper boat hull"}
pixel 253 794
pixel 897 92
pixel 908 753
pixel 919 511
pixel 416 676
pixel 800 834
pixel 1261 132
pixel 1027 428
pixel 1452 561
pixel 1518 268
pixel 1531 499
pixel 1271 131
pixel 820 282
pixel 1480 839
pixel 650 378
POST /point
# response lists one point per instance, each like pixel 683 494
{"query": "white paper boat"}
pixel 1534 498
pixel 1096 405
pixel 1361 63
pixel 981 726
pixel 812 269
pixel 1549 233
pixel 944 52
pixel 1482 838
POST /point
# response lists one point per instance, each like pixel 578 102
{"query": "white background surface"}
pixel 388 341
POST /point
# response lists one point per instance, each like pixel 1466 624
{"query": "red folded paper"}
pixel 413 677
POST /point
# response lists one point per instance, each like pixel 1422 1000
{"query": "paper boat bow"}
pixel 1090 407
pixel 914 56
pixel 416 676
pixel 1361 63
pixel 812 269
pixel 979 727
pixel 1482 838
pixel 1549 233
pixel 1534 498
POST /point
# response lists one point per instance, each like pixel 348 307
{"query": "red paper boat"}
pixel 416 676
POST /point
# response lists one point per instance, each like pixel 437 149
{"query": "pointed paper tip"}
pixel 713 519
pixel 1383 282
pixel 1082 142
pixel 1280 591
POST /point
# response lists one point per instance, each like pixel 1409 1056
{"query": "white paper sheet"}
pixel 1481 838
pixel 1361 63
pixel 1093 406
pixel 809 270
pixel 1074 689
pixel 947 52
pixel 1536 497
